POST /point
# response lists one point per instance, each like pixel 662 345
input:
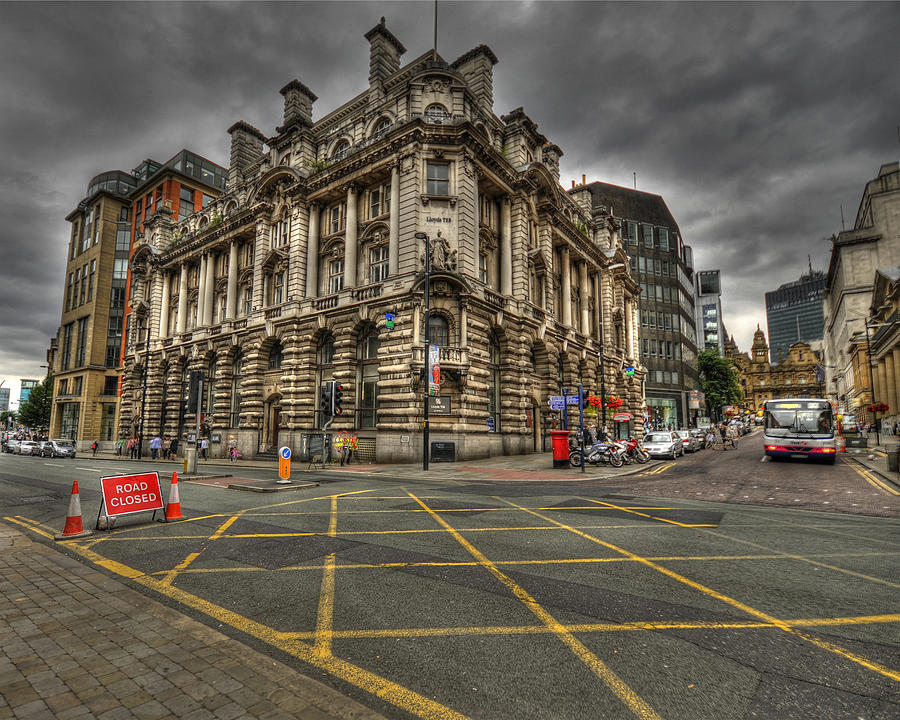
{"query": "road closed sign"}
pixel 126 494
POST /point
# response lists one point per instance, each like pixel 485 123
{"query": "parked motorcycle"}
pixel 635 452
pixel 599 452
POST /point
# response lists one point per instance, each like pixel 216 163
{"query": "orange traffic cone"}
pixel 173 507
pixel 74 527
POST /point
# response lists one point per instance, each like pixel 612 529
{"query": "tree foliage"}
pixel 718 380
pixel 35 411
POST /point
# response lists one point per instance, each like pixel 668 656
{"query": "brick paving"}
pixel 76 643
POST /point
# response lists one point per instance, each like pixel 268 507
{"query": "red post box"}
pixel 560 448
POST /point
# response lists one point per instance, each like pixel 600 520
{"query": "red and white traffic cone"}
pixel 173 507
pixel 74 527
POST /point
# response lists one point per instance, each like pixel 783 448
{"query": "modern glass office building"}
pixel 794 313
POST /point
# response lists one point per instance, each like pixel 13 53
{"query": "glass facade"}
pixel 795 313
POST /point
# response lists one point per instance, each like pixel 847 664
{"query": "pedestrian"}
pixel 173 448
pixel 120 444
pixel 204 448
pixel 94 448
pixel 155 446
pixel 166 447
pixel 232 449
pixel 132 447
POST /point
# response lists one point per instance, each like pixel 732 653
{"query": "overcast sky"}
pixel 755 122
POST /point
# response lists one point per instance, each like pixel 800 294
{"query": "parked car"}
pixel 57 449
pixel 10 445
pixel 663 444
pixel 28 447
pixel 688 441
pixel 700 437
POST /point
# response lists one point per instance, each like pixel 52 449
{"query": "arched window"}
pixel 381 127
pixel 237 370
pixel 436 114
pixel 276 356
pixel 367 379
pixel 438 330
pixel 341 150
pixel 493 421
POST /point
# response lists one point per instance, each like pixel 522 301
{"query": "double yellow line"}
pixel 872 479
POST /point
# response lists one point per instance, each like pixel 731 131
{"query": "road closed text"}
pixel 131 493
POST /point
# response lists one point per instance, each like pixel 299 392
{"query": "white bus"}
pixel 799 428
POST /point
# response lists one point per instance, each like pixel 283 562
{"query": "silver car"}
pixel 663 443
pixel 688 440
pixel 28 447
pixel 57 449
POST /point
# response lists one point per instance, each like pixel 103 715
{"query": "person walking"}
pixel 173 448
pixel 120 445
pixel 132 448
pixel 94 448
pixel 166 448
pixel 204 448
pixel 232 449
pixel 155 446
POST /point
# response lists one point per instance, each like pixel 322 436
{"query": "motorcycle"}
pixel 635 452
pixel 599 452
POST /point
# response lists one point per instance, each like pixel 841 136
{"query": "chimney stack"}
pixel 477 67
pixel 298 102
pixel 246 149
pixel 384 54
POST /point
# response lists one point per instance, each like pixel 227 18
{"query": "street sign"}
pixel 556 402
pixel 629 370
pixel 284 463
pixel 126 494
pixel 572 400
pixel 389 321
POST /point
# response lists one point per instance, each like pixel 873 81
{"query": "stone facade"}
pixel 285 281
pixel 796 374
pixel 884 341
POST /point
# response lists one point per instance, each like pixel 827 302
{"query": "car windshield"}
pixel 63 443
pixel 659 437
pixel 794 420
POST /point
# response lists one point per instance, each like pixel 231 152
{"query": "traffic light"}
pixel 327 403
pixel 337 398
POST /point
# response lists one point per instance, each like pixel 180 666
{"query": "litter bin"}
pixel 893 454
pixel 560 448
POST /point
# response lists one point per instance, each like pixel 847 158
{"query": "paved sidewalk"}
pixel 76 643
pixel 875 459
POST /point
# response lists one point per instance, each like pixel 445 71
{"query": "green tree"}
pixel 7 418
pixel 718 380
pixel 35 411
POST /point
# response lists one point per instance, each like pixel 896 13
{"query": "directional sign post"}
pixel 284 465
pixel 556 402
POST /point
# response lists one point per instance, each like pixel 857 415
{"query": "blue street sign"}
pixel 286 453
pixel 572 400
pixel 556 402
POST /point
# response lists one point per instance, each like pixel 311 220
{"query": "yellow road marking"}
pixel 865 662
pixel 660 469
pixel 870 478
pixel 626 695
pixel 633 626
pixel 223 527
pixel 325 614
pixel 25 523
pixel 610 506
pixel 394 693
pixel 170 574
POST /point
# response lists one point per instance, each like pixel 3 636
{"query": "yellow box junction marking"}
pixel 825 645
pixel 620 689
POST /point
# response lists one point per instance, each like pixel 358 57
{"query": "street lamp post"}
pixel 427 374
pixel 872 383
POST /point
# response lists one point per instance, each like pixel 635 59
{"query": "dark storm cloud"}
pixel 754 121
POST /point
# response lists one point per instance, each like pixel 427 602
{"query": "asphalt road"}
pixel 713 588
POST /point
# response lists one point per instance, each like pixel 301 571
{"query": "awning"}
pixel 622 417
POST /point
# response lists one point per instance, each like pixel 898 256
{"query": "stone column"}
pixel 598 303
pixel 880 379
pixel 350 240
pixel 201 291
pixel 629 329
pixel 890 382
pixel 896 406
pixel 394 234
pixel 210 302
pixel 181 320
pixel 566 288
pixel 506 249
pixel 583 287
pixel 312 252
pixel 463 325
pixel 164 307
pixel 231 295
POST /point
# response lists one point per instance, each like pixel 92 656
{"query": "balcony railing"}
pixel 450 355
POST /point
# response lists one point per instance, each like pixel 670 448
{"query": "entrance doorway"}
pixel 274 422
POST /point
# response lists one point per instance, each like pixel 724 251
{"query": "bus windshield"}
pixel 799 418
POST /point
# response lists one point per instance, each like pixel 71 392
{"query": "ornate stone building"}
pixel 797 374
pixel 285 281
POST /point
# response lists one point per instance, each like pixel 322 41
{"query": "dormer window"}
pixel 436 114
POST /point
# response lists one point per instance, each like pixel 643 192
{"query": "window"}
pixel 648 235
pixel 663 239
pixel 381 127
pixel 247 300
pixel 436 114
pixel 120 269
pixel 108 421
pixel 493 419
pixel 437 178
pixel 69 290
pixel 631 232
pixel 335 276
pixel 86 230
pixel 276 296
pixel 110 385
pixel 438 330
pixel 90 291
pixel 69 422
pixel 276 356
pixel 341 150
pixel 367 379
pixel 67 346
pixel 379 201
pixel 63 387
pixel 77 385
pixel 81 342
pixel 208 199
pixel 185 203
pixel 378 264
pixel 336 218
pixel 148 206
pixel 96 224
pixel 282 230
pixel 483 274
pixel 237 368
